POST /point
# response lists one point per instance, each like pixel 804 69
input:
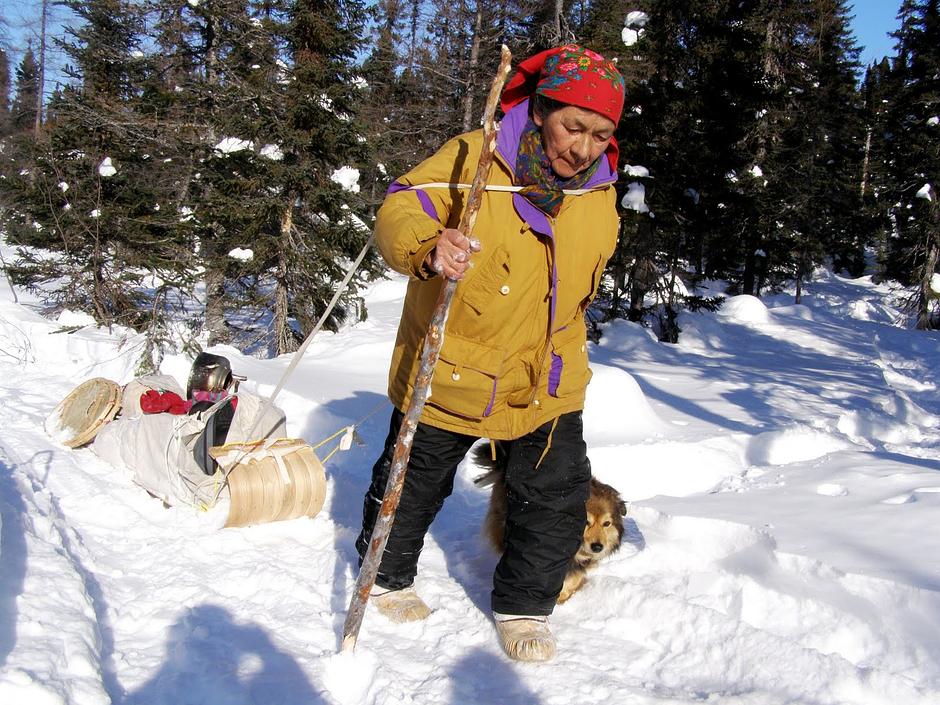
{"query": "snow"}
pixel 230 145
pixel 635 198
pixel 106 168
pixel 935 284
pixel 242 254
pixel 272 152
pixel 636 18
pixel 635 171
pixel 634 27
pixel 347 177
pixel 934 121
pixel 630 36
pixel 781 547
pixel 924 192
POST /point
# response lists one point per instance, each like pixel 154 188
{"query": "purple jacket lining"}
pixel 426 204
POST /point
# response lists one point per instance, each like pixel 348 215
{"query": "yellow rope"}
pixel 330 455
pixel 346 429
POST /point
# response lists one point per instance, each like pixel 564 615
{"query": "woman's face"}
pixel 573 138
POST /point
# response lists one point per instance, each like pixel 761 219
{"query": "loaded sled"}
pixel 214 446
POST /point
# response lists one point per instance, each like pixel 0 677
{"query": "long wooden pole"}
pixel 432 348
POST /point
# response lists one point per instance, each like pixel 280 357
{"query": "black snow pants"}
pixel 548 479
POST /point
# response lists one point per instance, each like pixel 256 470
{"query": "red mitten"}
pixel 175 403
pixel 152 402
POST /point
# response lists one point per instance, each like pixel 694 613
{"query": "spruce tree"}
pixel 874 180
pixel 824 138
pixel 283 90
pixel 687 113
pixel 387 110
pixel 319 225
pixel 94 230
pixel 5 125
pixel 23 110
pixel 914 145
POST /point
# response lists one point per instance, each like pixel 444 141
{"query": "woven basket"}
pixel 78 418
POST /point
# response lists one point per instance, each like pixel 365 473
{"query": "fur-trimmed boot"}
pixel 400 605
pixel 525 638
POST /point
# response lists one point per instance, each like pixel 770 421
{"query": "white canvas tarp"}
pixel 157 450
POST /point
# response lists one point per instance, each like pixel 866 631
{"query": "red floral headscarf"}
pixel 572 75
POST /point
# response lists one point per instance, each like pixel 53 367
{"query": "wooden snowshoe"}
pixel 271 480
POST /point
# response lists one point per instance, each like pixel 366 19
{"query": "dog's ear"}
pixel 623 509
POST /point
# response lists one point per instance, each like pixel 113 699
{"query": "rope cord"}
pixel 269 402
pixel 500 187
pixel 347 430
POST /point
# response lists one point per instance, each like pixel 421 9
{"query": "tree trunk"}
pixel 800 275
pixel 749 280
pixel 926 294
pixel 413 36
pixel 773 76
pixel 215 278
pixel 40 89
pixel 284 339
pixel 472 69
pixel 559 13
pixel 864 186
pixel 215 307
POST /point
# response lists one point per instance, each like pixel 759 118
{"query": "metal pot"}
pixel 210 373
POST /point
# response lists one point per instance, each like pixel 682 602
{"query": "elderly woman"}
pixel 513 366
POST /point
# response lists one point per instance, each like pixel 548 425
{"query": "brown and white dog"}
pixel 603 531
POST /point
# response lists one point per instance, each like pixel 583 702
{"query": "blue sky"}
pixel 873 20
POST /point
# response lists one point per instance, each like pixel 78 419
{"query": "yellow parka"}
pixel 514 354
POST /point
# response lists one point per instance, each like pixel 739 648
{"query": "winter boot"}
pixel 400 605
pixel 525 638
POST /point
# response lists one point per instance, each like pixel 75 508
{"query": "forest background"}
pixel 205 170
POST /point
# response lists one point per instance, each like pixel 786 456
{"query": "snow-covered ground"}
pixel 782 545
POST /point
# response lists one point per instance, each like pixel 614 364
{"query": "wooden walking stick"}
pixel 429 355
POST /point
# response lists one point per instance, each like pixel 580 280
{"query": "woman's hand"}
pixel 451 256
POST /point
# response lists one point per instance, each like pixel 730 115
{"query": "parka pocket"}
pixel 465 377
pixel 569 372
pixel 488 282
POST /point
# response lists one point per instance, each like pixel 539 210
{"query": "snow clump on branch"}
pixel 347 177
pixel 106 168
pixel 634 27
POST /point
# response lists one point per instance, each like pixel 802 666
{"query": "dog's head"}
pixel 603 530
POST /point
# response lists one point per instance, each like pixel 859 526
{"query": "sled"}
pixel 84 411
pixel 262 478
pixel 271 480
